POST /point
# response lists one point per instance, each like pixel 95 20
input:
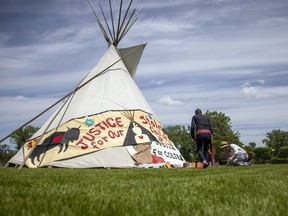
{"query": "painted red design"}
pixel 57 138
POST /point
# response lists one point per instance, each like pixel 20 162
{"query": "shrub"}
pixel 276 160
pixel 262 154
pixel 283 152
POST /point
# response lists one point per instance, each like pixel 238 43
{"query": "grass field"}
pixel 255 190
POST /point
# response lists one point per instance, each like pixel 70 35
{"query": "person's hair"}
pixel 198 111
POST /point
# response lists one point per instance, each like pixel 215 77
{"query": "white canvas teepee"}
pixel 105 121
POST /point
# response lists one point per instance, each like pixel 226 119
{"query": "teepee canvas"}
pixel 105 121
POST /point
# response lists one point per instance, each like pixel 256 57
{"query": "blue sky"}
pixel 229 56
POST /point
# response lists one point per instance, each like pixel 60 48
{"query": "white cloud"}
pixel 20 98
pixel 157 82
pixel 249 90
pixel 259 92
pixel 160 26
pixel 274 21
pixel 167 100
pixel 254 91
pixel 262 82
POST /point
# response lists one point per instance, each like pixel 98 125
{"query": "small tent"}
pixel 105 121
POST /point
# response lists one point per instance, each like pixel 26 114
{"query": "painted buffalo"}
pixel 59 139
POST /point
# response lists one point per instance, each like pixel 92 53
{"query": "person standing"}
pixel 201 131
pixel 236 156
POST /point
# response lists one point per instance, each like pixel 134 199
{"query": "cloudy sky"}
pixel 229 56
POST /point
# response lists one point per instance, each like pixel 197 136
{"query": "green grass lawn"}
pixel 255 190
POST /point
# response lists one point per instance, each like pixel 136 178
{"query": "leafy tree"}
pixel 222 131
pixel 22 135
pixel 222 128
pixel 251 145
pixel 276 139
pixel 5 154
pixel 180 135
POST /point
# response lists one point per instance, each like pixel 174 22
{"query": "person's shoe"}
pixel 205 164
